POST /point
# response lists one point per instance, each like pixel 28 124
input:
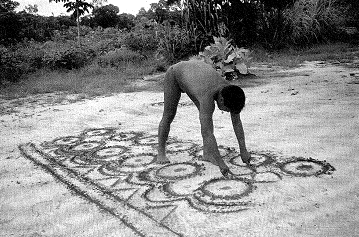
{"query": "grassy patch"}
pixel 94 80
pixel 293 57
pixel 91 80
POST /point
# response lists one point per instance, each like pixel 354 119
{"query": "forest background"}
pixel 97 50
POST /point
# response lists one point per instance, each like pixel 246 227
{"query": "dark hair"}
pixel 233 98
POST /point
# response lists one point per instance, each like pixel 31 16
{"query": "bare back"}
pixel 197 79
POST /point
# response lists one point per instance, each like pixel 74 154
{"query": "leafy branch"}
pixel 225 58
pixel 78 7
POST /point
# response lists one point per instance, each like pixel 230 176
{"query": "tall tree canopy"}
pixel 78 7
pixel 106 16
pixel 8 6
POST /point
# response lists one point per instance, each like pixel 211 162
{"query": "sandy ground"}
pixel 311 111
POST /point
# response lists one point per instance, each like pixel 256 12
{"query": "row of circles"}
pixel 300 167
pixel 219 188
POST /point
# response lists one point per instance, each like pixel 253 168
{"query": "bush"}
pixel 144 38
pixel 312 21
pixel 17 61
pixel 120 58
pixel 228 60
pixel 9 70
pixel 67 56
pixel 174 43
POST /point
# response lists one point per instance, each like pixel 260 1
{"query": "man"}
pixel 204 86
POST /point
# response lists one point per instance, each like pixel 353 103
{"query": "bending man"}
pixel 204 86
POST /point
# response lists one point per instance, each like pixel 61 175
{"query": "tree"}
pixel 31 9
pixel 10 23
pixel 106 16
pixel 98 3
pixel 78 7
pixel 126 21
pixel 8 6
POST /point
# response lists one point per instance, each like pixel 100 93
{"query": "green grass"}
pixel 293 57
pixel 93 80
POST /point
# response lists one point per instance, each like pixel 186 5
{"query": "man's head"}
pixel 231 99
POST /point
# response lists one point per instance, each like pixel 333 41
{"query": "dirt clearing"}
pixel 86 167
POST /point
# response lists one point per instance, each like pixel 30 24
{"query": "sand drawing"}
pixel 116 170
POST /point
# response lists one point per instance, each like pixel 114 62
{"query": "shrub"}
pixel 174 43
pixel 143 38
pixel 9 70
pixel 312 21
pixel 228 60
pixel 17 61
pixel 120 58
pixel 67 56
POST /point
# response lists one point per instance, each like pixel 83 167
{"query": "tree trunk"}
pixel 78 26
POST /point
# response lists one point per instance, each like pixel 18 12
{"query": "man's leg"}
pixel 172 94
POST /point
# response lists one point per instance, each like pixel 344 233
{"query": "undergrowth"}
pixel 293 57
pixel 96 80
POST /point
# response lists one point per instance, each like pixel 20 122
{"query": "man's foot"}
pixel 162 160
pixel 246 157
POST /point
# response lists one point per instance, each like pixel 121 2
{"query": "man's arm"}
pixel 210 147
pixel 238 130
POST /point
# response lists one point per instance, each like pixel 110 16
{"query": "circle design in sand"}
pixel 138 161
pixel 228 189
pixel 129 165
pixel 152 140
pixel 178 171
pixel 111 168
pixel 98 132
pixel 256 160
pixel 304 167
pixel 109 152
pixel 124 137
pixel 84 147
pixel 66 141
pixel 178 147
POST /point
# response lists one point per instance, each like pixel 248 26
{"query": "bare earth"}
pixel 301 115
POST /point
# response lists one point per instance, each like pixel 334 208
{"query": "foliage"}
pixel 18 61
pixel 174 43
pixel 106 16
pixel 126 21
pixel 31 9
pixel 66 55
pixel 120 58
pixel 225 58
pixel 241 19
pixel 161 12
pixel 143 37
pixel 17 27
pixel 8 6
pixel 10 70
pixel 352 11
pixel 311 21
pixel 10 26
pixel 78 7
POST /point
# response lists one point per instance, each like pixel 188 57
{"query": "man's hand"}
pixel 246 157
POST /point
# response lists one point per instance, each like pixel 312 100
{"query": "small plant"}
pixel 228 60
pixel 66 56
pixel 174 43
pixel 143 38
pixel 120 58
